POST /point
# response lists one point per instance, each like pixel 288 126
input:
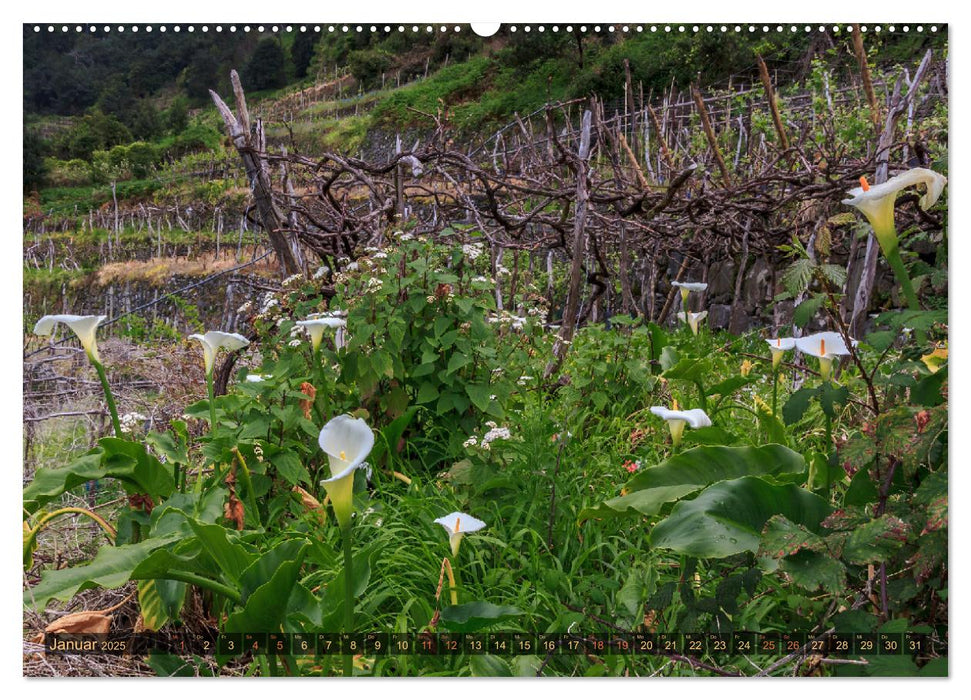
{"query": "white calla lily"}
pixel 826 346
pixel 317 326
pixel 779 346
pixel 677 420
pixel 84 328
pixel 687 288
pixel 213 340
pixel 347 441
pixel 457 524
pixel 693 319
pixel 877 201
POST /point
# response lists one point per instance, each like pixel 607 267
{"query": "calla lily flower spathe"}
pixel 693 319
pixel 316 327
pixel 826 346
pixel 779 346
pixel 677 420
pixel 213 340
pixel 687 288
pixel 457 524
pixel 877 201
pixel 84 328
pixel 347 442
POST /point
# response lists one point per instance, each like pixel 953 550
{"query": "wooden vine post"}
pixel 574 289
pixel 250 143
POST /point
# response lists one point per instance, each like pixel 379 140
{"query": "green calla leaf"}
pixel 470 617
pixel 692 470
pixel 728 517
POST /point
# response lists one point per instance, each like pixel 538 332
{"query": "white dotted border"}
pixel 429 28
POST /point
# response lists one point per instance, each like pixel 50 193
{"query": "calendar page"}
pixel 548 349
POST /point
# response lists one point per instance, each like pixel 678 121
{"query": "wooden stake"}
pixel 710 133
pixel 770 95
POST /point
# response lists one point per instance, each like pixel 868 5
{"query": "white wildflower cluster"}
pixel 371 249
pixel 353 267
pixel 402 236
pixel 131 421
pixel 471 442
pixel 245 308
pixel 524 379
pixel 269 301
pixel 472 250
pixel 258 451
pixel 506 319
pixel 479 279
pixel 501 271
pixel 430 298
pixel 295 343
pixel 321 272
pixel 293 280
pixel 374 284
pixel 380 255
pixel 497 372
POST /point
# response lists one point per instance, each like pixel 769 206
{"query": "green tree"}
pixel 302 52
pixel 176 117
pixel 265 69
pixel 34 166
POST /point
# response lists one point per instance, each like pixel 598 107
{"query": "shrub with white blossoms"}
pixel 472 250
pixel 132 421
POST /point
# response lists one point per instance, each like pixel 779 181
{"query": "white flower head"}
pixel 316 327
pixel 693 319
pixel 458 524
pixel 346 441
pixel 84 328
pixel 691 286
pixel 213 340
pixel 677 420
pixel 877 201
pixel 779 346
pixel 826 346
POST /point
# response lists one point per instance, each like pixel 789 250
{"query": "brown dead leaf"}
pixel 306 404
pixel 85 622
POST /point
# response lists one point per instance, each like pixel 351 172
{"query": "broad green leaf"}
pixel 219 542
pixel 783 538
pixel 861 490
pixel 48 484
pixel 266 608
pixel 795 407
pixel 479 395
pixel 261 570
pixel 160 601
pixel 427 393
pixel 881 340
pixel 728 386
pixel 727 518
pixel 693 470
pixel 456 362
pixel 669 357
pixel 126 461
pixel 110 568
pixel 804 313
pixel 814 570
pixel 689 369
pixel 289 466
pixel 470 617
pixel 876 541
pixel 489 666
pixel 831 395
